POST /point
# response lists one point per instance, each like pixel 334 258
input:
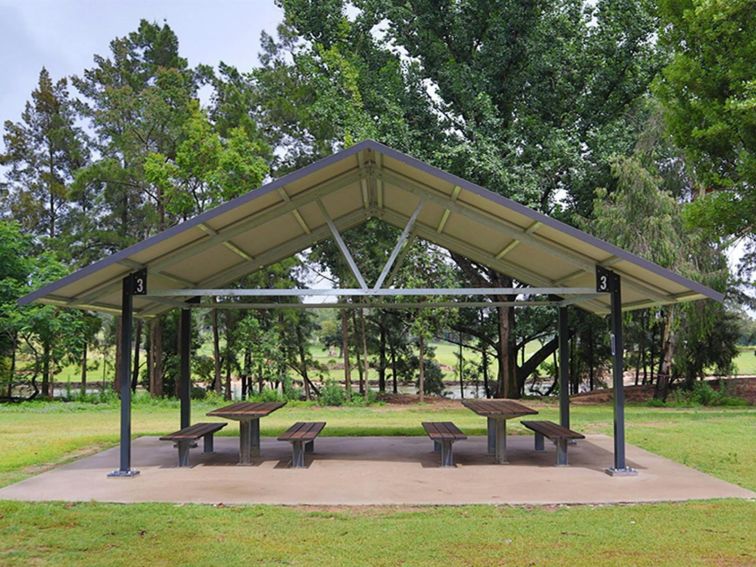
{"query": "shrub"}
pixel 331 394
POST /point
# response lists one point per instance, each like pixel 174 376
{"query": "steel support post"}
pixel 184 389
pixel 245 457
pixel 491 424
pixel 127 312
pixel 183 453
pixel 208 443
pixel 254 442
pixel 501 441
pixel 620 467
pixel 561 451
pixel 447 458
pixel 564 369
pixel 539 445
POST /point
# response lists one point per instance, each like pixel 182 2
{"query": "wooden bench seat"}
pixel 185 437
pixel 560 435
pixel 443 434
pixel 302 436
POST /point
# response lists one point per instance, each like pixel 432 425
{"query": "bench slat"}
pixel 194 431
pixel 303 431
pixel 443 430
pixel 552 430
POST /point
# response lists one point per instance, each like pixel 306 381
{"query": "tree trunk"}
pixel 217 370
pixel 507 381
pixel 651 354
pixel 360 368
pixel 421 361
pixel 669 340
pixel 591 371
pixel 393 368
pixel 382 360
pixel 228 359
pixel 365 359
pixel 486 386
pixel 156 357
pixel 14 344
pixel 83 384
pixel 137 345
pixel 461 370
pixel 345 351
pixel 47 390
pixel 303 363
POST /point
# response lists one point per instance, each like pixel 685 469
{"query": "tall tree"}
pixel 709 95
pixel 42 153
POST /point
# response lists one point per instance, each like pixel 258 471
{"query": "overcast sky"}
pixel 63 35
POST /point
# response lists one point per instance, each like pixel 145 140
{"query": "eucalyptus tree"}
pixel 43 150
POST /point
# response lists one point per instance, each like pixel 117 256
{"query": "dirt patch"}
pixel 742 387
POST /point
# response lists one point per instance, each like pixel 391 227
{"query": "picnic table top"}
pixel 247 410
pixel 498 408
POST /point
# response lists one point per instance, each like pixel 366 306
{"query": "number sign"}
pixel 606 280
pixel 139 282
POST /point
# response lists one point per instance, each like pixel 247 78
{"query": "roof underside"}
pixel 368 180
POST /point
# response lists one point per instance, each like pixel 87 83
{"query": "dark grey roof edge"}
pixel 193 222
pixel 548 221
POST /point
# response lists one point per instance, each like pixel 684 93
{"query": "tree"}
pixel 42 153
pixel 709 96
pixel 558 90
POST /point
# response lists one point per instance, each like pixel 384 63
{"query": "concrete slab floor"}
pixel 375 471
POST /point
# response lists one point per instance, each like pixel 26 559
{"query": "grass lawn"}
pixel 701 533
pixel 719 441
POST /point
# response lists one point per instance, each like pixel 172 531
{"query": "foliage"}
pixel 331 394
pixel 42 153
pixel 709 94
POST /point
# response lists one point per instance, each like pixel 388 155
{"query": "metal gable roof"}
pixel 368 180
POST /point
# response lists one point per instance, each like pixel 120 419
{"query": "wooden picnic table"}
pixel 497 412
pixel 248 415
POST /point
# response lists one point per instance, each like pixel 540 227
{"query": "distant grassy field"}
pixel 445 353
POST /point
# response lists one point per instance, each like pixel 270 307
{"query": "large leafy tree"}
pixel 527 99
pixel 709 95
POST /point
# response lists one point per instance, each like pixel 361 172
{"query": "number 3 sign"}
pixel 139 282
pixel 606 280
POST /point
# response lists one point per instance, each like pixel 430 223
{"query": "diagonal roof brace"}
pixel 399 245
pixel 342 246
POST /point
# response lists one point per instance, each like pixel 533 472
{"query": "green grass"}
pixel 719 441
pixel 701 533
pixel 745 361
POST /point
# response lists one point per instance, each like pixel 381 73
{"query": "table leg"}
pixel 255 437
pixel 491 423
pixel 501 441
pixel 245 442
